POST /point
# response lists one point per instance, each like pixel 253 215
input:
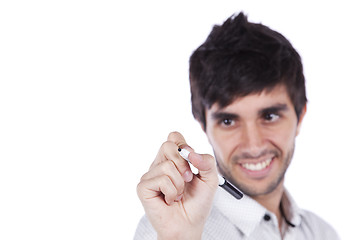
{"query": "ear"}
pixel 301 117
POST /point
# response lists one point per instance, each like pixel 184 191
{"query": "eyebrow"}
pixel 272 109
pixel 224 115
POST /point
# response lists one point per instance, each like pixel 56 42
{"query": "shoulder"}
pixel 145 230
pixel 317 226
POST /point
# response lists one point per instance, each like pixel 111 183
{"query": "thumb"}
pixel 206 165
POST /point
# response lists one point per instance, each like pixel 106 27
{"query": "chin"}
pixel 264 187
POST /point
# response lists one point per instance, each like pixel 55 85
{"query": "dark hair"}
pixel 240 58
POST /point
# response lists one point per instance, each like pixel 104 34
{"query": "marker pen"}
pixel 222 181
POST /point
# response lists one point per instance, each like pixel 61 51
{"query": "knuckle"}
pixel 143 177
pixel 165 180
pixel 139 189
pixel 166 167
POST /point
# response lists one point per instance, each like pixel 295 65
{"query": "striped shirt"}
pixel 246 219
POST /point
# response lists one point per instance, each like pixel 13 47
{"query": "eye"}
pixel 227 122
pixel 271 117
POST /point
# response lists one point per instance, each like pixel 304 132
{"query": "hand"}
pixel 176 202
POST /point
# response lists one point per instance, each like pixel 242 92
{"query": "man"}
pixel 248 93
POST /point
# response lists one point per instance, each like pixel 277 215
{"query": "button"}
pixel 267 217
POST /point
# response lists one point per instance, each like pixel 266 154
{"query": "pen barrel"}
pixel 232 189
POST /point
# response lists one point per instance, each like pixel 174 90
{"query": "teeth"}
pixel 257 167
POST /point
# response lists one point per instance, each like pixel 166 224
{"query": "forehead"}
pixel 256 101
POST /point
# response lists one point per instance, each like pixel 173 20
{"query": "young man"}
pixel 248 93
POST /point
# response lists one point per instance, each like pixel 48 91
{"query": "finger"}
pixel 206 165
pixel 177 138
pixel 158 187
pixel 166 168
pixel 169 152
pixel 180 141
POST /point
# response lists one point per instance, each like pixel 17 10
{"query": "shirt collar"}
pixel 246 214
pixel 291 212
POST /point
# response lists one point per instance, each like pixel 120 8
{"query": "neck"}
pixel 271 201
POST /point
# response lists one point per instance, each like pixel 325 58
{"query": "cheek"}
pixel 284 138
pixel 222 145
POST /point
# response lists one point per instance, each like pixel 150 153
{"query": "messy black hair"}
pixel 240 58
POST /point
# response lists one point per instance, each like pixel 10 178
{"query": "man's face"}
pixel 253 139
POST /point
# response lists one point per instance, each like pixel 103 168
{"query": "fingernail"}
pixel 188 176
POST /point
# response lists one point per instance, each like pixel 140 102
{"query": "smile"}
pixel 257 166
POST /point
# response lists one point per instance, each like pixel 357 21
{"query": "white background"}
pixel 90 89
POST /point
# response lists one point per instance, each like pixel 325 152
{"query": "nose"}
pixel 252 140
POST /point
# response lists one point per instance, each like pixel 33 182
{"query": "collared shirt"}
pixel 246 219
